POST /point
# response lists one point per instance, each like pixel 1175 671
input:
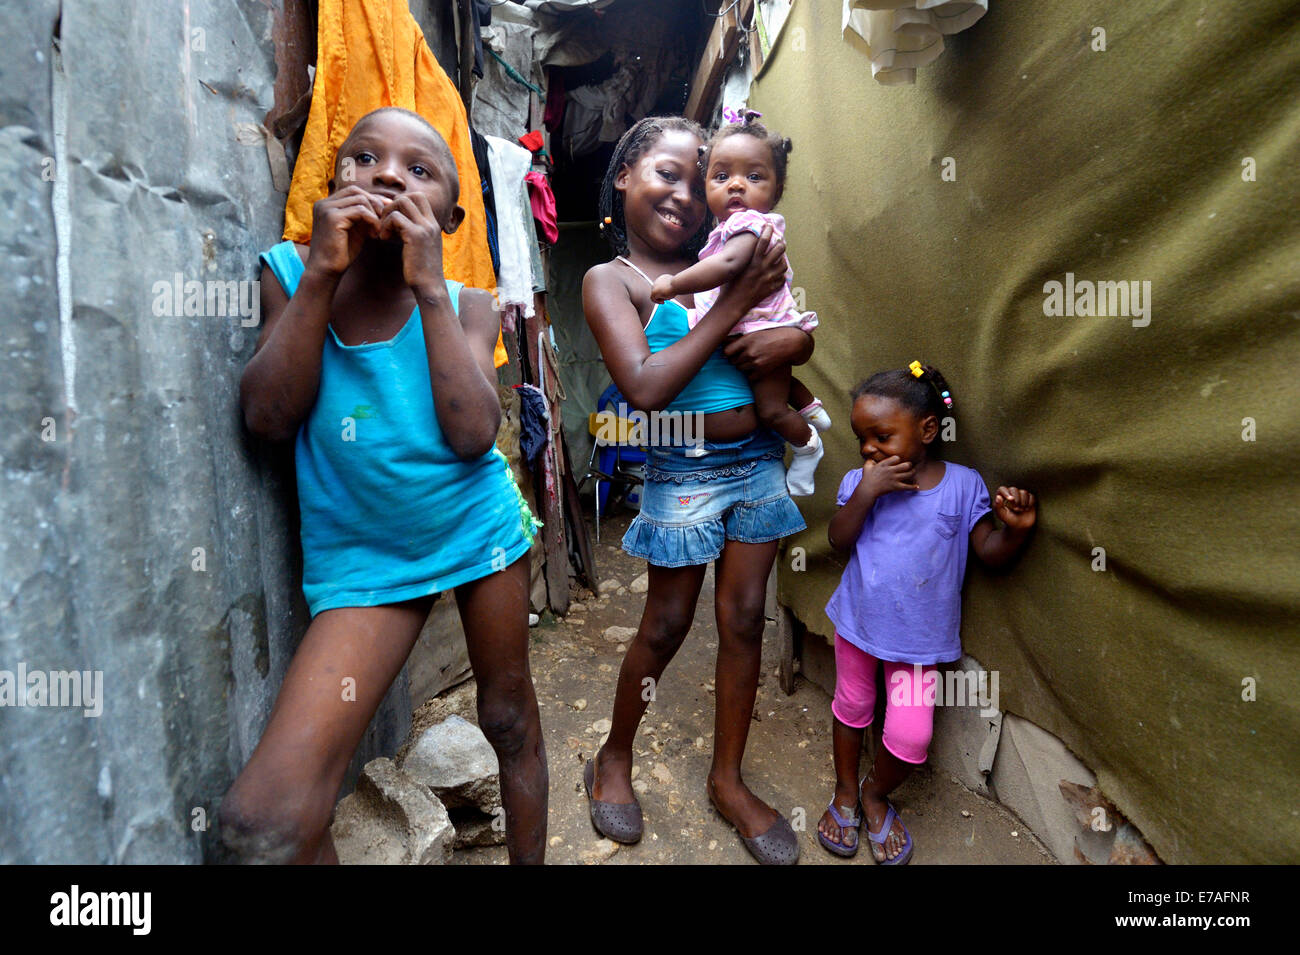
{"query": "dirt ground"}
pixel 787 762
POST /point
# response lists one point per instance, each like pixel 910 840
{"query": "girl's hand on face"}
pixel 341 222
pixel 410 218
pixel 1016 509
pixel 891 474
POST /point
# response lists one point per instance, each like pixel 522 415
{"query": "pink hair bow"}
pixel 739 117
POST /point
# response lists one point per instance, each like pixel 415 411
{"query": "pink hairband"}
pixel 739 118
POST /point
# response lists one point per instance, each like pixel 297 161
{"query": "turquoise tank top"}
pixel 717 386
pixel 389 512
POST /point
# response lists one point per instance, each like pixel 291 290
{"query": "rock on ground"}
pixel 391 820
pixel 601 852
pixel 454 759
pixel 460 701
pixel 620 634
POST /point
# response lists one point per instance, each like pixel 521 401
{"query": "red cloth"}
pixel 543 202
pixel 532 141
pixel 553 116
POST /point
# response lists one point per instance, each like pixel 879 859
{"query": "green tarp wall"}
pixel 1122 164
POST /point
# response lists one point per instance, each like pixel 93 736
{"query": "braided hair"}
pixel 780 146
pixel 921 396
pixel 632 146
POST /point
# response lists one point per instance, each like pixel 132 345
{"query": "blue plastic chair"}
pixel 611 463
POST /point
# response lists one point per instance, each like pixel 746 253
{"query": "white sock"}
pixel 816 415
pixel 799 479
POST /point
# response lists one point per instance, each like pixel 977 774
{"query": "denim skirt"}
pixel 693 502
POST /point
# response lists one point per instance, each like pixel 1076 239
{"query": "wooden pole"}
pixel 724 40
pixel 466 50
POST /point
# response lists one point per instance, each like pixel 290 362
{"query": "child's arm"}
pixel 481 323
pixel 712 272
pixel 1018 512
pixel 891 474
pixel 459 348
pixel 650 381
pixel 278 387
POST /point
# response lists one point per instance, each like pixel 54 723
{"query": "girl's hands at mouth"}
pixel 341 223
pixel 411 219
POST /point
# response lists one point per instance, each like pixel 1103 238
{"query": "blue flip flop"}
pixel 879 838
pixel 854 822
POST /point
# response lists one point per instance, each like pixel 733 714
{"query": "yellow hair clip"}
pixel 916 369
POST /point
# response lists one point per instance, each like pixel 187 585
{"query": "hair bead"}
pixel 919 388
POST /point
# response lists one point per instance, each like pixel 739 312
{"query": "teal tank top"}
pixel 717 386
pixel 389 512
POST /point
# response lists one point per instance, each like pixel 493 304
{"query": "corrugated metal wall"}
pixel 141 535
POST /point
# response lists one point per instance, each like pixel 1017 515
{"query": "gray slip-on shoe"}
pixel 614 820
pixel 778 846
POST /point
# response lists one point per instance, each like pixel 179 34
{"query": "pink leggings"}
pixel 909 711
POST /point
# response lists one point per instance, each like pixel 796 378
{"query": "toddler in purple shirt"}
pixel 907 520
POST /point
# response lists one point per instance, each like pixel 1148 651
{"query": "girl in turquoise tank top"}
pixel 724 500
pixel 382 371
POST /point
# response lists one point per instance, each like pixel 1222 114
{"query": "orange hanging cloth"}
pixel 372 53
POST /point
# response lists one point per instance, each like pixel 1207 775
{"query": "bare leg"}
pixel 665 621
pixel 772 405
pixel 741 589
pixel 494 611
pixel 800 396
pixel 278 808
pixel 846 744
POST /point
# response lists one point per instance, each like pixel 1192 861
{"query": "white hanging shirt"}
pixel 901 35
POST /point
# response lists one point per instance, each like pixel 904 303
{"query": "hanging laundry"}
pixel 489 200
pixel 372 53
pixel 901 35
pixel 532 141
pixel 481 10
pixel 515 233
pixel 543 203
pixel 599 112
pixel 534 421
pixel 553 115
pixel 502 99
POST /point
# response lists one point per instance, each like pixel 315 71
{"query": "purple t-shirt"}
pixel 900 596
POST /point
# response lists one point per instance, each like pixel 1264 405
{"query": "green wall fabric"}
pixel 1117 165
